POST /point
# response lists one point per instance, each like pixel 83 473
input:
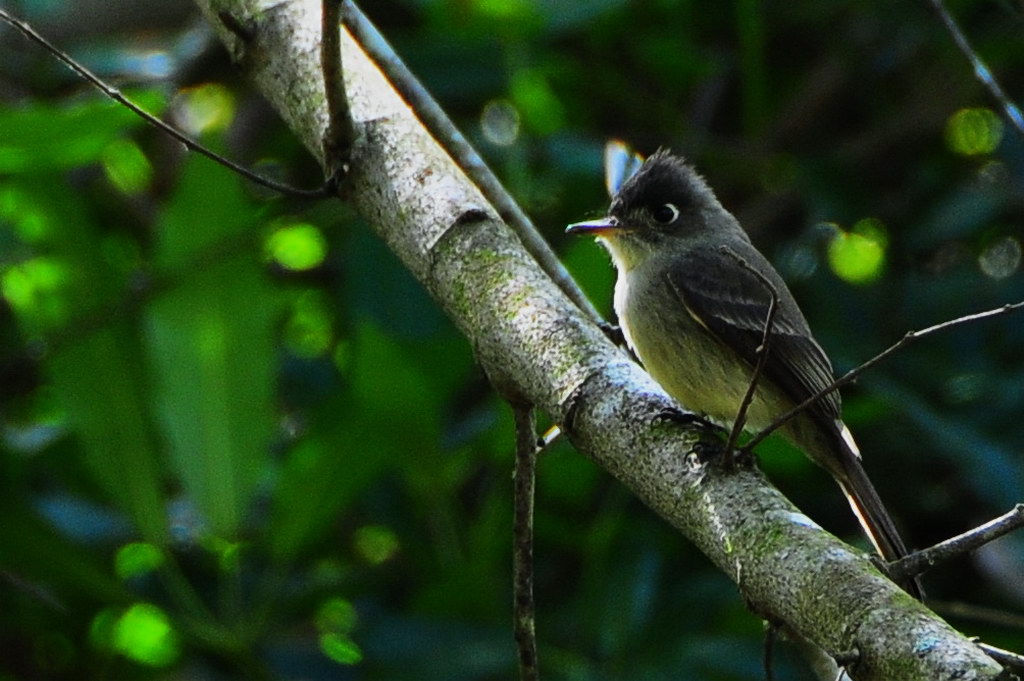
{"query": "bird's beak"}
pixel 596 227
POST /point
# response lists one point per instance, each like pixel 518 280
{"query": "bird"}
pixel 692 296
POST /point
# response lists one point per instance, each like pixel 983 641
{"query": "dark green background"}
pixel 221 462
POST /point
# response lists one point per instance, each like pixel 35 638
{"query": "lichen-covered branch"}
pixel 533 342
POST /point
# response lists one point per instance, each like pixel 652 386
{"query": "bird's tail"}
pixel 873 517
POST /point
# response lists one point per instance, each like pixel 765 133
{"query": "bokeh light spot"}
pixel 505 10
pixel 309 330
pixel 144 634
pixel 206 108
pixel 127 167
pixel 965 388
pixel 798 262
pixel 336 618
pixel 137 559
pixel 340 648
pixel 375 543
pixel 974 131
pixel 32 288
pixel 858 256
pixel 297 247
pixel 16 207
pixel 499 121
pixel 101 629
pixel 17 287
pixel 336 615
pixel 155 64
pixel 1001 258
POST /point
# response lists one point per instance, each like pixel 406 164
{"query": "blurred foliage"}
pixel 238 440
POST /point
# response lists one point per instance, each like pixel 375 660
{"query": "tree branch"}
pixel 528 334
pixel 340 133
pixel 981 70
pixel 524 625
pixel 1011 661
pixel 919 562
pixel 978 613
pixel 437 121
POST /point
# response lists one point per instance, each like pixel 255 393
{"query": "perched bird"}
pixel 694 313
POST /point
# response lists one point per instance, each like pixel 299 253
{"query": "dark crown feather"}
pixel 665 178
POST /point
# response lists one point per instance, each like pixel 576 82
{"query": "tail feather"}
pixel 873 517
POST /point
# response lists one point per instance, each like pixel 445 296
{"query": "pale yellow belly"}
pixel 690 364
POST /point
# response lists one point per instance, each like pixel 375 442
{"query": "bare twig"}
pixel 1010 660
pixel 762 353
pixel 522 554
pixel 768 653
pixel 921 561
pixel 823 666
pixel 977 613
pixel 115 94
pixel 442 128
pixel 909 337
pixel 341 132
pixel 981 70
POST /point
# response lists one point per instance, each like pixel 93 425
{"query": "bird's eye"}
pixel 665 213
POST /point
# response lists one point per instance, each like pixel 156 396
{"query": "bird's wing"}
pixel 732 303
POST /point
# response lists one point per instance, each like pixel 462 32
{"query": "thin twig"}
pixel 768 653
pixel 909 337
pixel 341 132
pixel 921 561
pixel 762 352
pixel 977 613
pixel 442 128
pixel 524 623
pixel 1008 659
pixel 115 94
pixel 981 70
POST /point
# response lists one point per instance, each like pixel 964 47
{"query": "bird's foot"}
pixel 688 418
pixel 708 436
pixel 614 333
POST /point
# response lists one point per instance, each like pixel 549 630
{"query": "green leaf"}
pixel 211 341
pixel 33 550
pixel 388 382
pixel 324 474
pixel 99 380
pixel 127 167
pixel 53 137
pixel 391 416
pixel 540 106
pixel 137 559
pixel 340 648
pixel 97 374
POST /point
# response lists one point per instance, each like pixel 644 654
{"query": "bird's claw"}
pixel 614 333
pixel 688 418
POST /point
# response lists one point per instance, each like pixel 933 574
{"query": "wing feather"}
pixel 732 304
